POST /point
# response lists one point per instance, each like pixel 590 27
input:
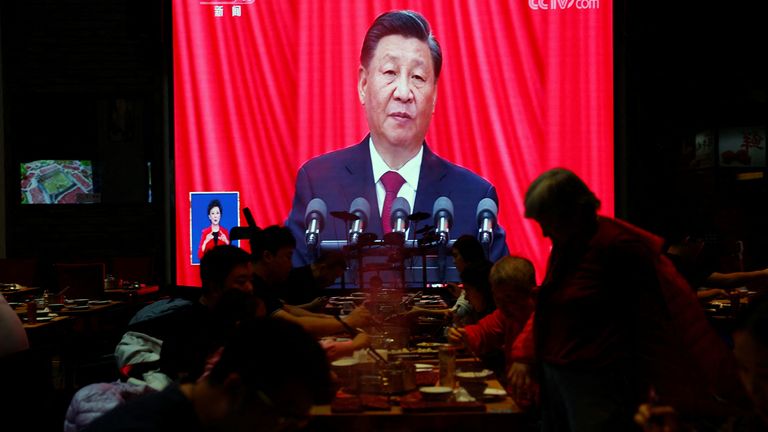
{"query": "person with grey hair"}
pixel 400 62
pixel 614 321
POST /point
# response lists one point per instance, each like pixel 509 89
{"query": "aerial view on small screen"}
pixel 56 181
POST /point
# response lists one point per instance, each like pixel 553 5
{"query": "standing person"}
pixel 614 319
pixel 215 234
pixel 400 63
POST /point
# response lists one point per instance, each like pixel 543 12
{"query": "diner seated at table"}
pixel 751 351
pixel 477 285
pixel 272 253
pixel 305 286
pixel 512 280
pixel 171 340
pixel 247 388
pixel 466 250
pixel 191 331
pixel 696 260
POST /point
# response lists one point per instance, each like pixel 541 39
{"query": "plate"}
pixel 436 390
pixel 43 319
pixel 344 362
pixel 78 307
pixel 99 302
pixel 423 366
pixel 429 344
pixel 474 375
pixel 494 392
pixel 15 305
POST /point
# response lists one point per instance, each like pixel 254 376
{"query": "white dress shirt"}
pixel 410 172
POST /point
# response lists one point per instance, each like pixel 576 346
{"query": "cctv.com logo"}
pixel 563 4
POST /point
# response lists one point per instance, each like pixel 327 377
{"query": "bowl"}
pixel 80 302
pixel 436 393
pixel 474 382
pixel 481 375
pixel 476 389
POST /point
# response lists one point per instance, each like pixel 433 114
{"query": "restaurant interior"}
pixel 683 77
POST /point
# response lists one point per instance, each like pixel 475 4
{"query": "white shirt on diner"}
pixel 410 172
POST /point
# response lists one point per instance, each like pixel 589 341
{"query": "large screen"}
pixel 262 86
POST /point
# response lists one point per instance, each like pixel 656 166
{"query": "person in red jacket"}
pixel 614 319
pixel 512 280
pixel 215 234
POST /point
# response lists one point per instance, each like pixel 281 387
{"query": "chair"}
pixel 19 270
pixel 136 269
pixel 81 280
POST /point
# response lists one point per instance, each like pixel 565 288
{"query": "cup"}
pixel 345 369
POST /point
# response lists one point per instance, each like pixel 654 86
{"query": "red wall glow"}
pixel 523 89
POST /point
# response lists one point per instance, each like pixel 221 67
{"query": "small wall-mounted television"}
pixel 49 181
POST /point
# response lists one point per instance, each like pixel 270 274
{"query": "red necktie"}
pixel 392 182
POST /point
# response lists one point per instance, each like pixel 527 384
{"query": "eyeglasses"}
pixel 286 420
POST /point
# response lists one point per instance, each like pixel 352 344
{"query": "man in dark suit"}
pixel 400 63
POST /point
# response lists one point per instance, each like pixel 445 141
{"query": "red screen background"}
pixel 522 89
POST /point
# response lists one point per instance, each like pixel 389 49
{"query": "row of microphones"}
pixel 400 216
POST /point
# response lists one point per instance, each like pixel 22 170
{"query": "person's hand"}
pixel 656 418
pixel 520 383
pixel 707 294
pixel 359 317
pixel 456 335
pixel 361 340
pixel 316 304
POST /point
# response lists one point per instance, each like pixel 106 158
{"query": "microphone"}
pixel 443 211
pixel 249 218
pixel 361 208
pixel 314 219
pixel 486 219
pixel 399 216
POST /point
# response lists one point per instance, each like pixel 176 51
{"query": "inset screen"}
pixel 55 181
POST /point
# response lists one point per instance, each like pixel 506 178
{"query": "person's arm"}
pixel 736 279
pixel 488 333
pixel 204 239
pixel 520 380
pixel 335 349
pixel 708 293
pixel 325 325
pixel 301 312
pixel 317 303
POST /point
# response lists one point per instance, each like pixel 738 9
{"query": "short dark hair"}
pixel 218 263
pixel 294 358
pixel 405 23
pixel 558 192
pixel 271 239
pixel 470 249
pixel 215 203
